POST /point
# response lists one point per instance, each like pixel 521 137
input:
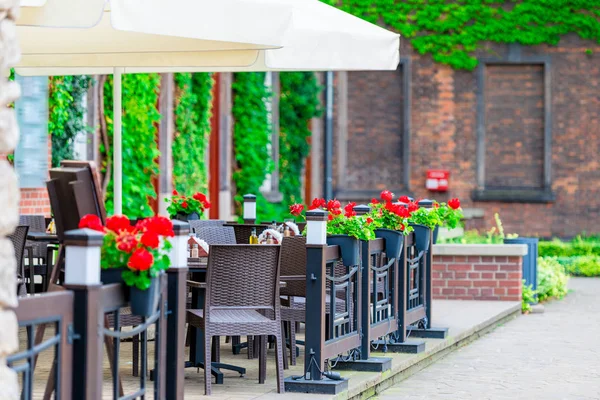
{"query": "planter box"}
pixel 478 271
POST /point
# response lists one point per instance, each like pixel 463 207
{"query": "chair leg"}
pixel 250 341
pixel 284 326
pixel 216 345
pixel 262 359
pixel 227 339
pixel 292 343
pixel 279 349
pixel 207 365
pixel 136 354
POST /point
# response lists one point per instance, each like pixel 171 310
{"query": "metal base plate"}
pixel 325 386
pixel 410 346
pixel 373 364
pixel 431 333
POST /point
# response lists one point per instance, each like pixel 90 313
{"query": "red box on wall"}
pixel 437 180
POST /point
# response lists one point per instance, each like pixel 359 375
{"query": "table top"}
pixel 42 237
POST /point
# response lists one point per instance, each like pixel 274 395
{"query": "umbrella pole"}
pixel 117 143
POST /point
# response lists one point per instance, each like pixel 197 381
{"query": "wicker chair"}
pixel 242 281
pixel 201 223
pixel 216 234
pixel 18 239
pixel 37 251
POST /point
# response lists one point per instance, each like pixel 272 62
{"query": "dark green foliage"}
pixel 66 114
pixel 192 127
pixel 140 149
pixel 557 248
pixel 452 30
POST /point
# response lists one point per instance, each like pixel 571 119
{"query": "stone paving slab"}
pixel 554 355
pixel 464 318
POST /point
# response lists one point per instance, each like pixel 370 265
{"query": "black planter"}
pixel 187 217
pixel 111 275
pixel 145 302
pixel 394 240
pixel 435 234
pixel 349 247
pixel 422 237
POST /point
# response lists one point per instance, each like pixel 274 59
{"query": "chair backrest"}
pixel 293 263
pixel 18 239
pixel 216 234
pixel 243 276
pixel 201 223
pixel 36 223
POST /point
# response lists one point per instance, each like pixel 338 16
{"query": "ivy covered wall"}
pixel 193 101
pixel 452 30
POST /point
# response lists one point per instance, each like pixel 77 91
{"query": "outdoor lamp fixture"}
pixel 361 209
pixel 82 259
pixel 249 208
pixel 179 252
pixel 316 227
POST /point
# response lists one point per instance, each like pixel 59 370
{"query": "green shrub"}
pixel 577 247
pixel 528 297
pixel 495 235
pixel 552 279
pixel 581 265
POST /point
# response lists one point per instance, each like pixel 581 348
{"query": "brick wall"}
pixel 443 118
pixel 477 278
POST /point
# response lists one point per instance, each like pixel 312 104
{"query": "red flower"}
pixel 454 204
pixel 436 204
pixel 374 201
pixel 412 206
pixel 402 212
pixel 126 242
pixel 206 204
pixel 333 204
pixel 184 204
pixel 150 239
pixel 402 227
pixel 350 213
pixel 330 217
pixel 92 222
pixel 404 199
pixel 317 203
pixel 141 260
pixel 158 225
pixel 387 195
pixel 335 211
pixel 200 197
pixel 391 207
pixel 119 223
pixel 175 193
pixel 369 221
pixel 350 207
pixel 296 209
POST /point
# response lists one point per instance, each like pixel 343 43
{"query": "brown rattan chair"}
pixel 201 223
pixel 242 282
pixel 36 251
pixel 18 239
pixel 216 234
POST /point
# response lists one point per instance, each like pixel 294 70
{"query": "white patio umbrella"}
pixel 315 37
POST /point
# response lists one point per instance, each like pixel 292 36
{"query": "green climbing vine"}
pixel 66 114
pixel 251 136
pixel 140 149
pixel 192 126
pixel 452 30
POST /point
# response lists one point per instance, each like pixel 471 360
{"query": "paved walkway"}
pixel 555 355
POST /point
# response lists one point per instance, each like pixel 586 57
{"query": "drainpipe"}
pixel 328 138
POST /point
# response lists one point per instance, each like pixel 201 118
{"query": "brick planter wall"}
pixel 477 272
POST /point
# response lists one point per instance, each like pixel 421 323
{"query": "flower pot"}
pixel 187 217
pixel 436 231
pixel 349 248
pixel 422 237
pixel 394 240
pixel 145 302
pixel 111 275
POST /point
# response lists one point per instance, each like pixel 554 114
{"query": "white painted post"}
pixel 316 227
pixel 117 143
pixel 179 252
pixel 82 260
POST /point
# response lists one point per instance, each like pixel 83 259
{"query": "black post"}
pixel 315 311
pixel 177 276
pixel 328 138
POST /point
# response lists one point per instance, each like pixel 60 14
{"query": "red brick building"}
pixel 520 134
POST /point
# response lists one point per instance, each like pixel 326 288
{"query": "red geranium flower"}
pixel 374 201
pixel 350 206
pixel 330 217
pixel 350 213
pixel 369 221
pixel 402 212
pixel 92 222
pixel 119 223
pixel 150 239
pixel 333 204
pixel 387 195
pixel 336 211
pixel 175 192
pixel 126 242
pixel 454 204
pixel 412 206
pixel 141 260
pixel 317 203
pixel 404 199
pixel 296 209
pixel 158 225
pixel 206 204
pixel 200 197
pixel 184 204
